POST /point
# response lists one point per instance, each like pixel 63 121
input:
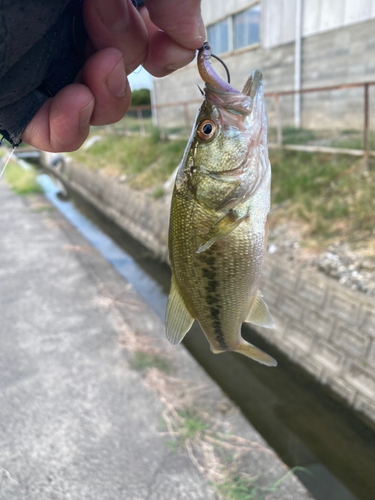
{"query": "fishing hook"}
pixel 225 66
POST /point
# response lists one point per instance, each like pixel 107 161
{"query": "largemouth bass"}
pixel 219 217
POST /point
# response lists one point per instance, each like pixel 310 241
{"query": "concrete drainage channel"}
pixel 306 426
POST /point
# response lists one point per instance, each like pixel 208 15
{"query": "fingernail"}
pixel 114 14
pixel 116 81
pixel 200 30
pixel 85 114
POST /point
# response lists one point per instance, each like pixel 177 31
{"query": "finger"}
pixel 165 55
pixel 63 122
pixel 181 20
pixel 116 23
pixel 104 74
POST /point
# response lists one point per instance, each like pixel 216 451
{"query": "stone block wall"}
pixel 324 327
pixel 142 217
pixel 321 325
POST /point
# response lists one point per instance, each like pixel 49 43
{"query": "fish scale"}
pixel 219 214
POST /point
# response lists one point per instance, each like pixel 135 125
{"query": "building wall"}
pixel 321 325
pixel 334 57
pixel 279 16
pixel 323 15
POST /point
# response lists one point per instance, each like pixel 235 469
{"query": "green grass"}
pixel 21 181
pixel 250 488
pixel 189 427
pixel 146 161
pixel 329 192
pixel 237 488
pixel 192 424
pixel 142 361
pixel 44 208
pixel 158 192
pixel 292 135
pixel 348 139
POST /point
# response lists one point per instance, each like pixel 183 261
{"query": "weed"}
pixel 43 208
pixel 324 190
pixel 142 361
pixel 173 445
pixel 292 135
pixel 328 192
pixel 22 181
pixel 219 455
pixel 155 135
pixel 158 192
pixel 237 488
pixel 243 487
pixel 192 424
pixel 144 160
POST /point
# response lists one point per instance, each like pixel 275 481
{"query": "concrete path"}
pixel 77 421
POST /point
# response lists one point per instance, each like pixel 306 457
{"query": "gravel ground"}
pixel 352 268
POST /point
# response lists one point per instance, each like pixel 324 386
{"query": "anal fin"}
pixel 220 229
pixel 178 320
pixel 259 313
pixel 253 352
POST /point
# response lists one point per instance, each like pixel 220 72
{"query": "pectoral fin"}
pixel 178 319
pixel 259 313
pixel 221 228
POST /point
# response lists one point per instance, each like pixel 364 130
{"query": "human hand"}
pixel 163 36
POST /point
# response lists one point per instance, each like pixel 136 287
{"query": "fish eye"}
pixel 206 129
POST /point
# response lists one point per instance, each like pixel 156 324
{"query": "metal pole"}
pixel 140 123
pixel 278 120
pixel 297 65
pixel 154 110
pixel 187 118
pixel 366 142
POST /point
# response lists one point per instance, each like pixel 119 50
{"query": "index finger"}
pixel 181 20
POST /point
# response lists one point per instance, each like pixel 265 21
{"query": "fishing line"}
pixel 7 161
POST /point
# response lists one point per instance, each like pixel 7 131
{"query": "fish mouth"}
pixel 242 103
pixel 221 94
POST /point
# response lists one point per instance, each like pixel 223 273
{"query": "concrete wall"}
pixel 324 327
pixel 321 325
pixel 142 217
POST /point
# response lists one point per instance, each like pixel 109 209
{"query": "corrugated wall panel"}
pixel 289 20
pixel 273 27
pixel 278 16
pixel 331 14
pixel 356 11
pixel 214 10
pixel 311 16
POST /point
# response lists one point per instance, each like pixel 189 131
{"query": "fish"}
pixel 219 217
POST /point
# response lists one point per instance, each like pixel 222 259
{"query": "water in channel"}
pixel 301 421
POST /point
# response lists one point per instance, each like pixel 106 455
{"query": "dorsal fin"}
pixel 259 313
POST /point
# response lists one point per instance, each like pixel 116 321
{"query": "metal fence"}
pixel 335 119
pixel 137 121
